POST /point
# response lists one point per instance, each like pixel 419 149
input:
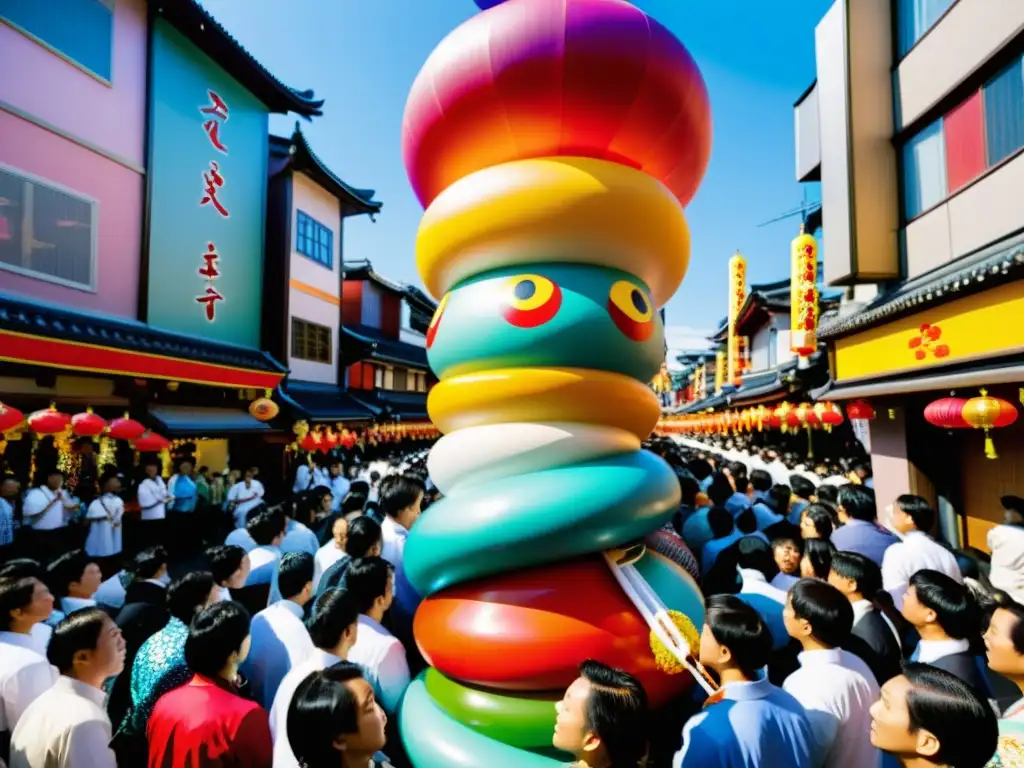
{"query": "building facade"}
pixel 915 128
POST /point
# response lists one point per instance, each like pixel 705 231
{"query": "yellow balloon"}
pixel 547 210
pixel 577 395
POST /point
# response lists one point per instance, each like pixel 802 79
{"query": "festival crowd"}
pixel 219 627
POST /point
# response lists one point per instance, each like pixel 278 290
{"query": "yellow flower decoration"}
pixel 663 657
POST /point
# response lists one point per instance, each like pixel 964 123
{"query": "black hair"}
pixel 294 572
pixel 225 560
pixel 367 579
pixel 754 554
pixel 857 502
pixel 827 493
pixel 266 526
pixel 746 521
pixel 363 533
pixel 147 562
pixel 20 568
pixel 822 517
pixel 107 475
pixel 335 611
pixel 955 713
pixel 825 608
pixel 761 480
pixel 188 593
pixel 399 493
pixel 801 486
pixel 322 709
pixel 918 510
pixel 699 468
pixel 819 553
pixel 688 488
pixel 616 711
pixel 956 610
pixel 740 628
pixel 15 593
pixel 78 631
pixel 215 634
pixel 862 570
pixel 720 490
pixel 738 470
pixel 66 569
pixel 359 487
pixel 253 513
pixel 720 521
pixel 778 498
pixel 310 504
pixel 354 501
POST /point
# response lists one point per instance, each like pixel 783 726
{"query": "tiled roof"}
pixel 323 402
pixel 300 156
pixel 410 406
pixel 378 347
pixel 26 316
pixel 193 21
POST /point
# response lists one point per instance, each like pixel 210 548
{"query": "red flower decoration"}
pixel 914 343
pixel 920 354
pixel 942 350
pixel 933 332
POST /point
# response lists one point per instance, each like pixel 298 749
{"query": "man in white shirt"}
pixel 333 631
pixel 913 518
pixel 1006 543
pixel 267 530
pixel 331 552
pixel 153 499
pixel 835 687
pixel 67 726
pixel 340 485
pixel 400 500
pixel 244 495
pixel 25 674
pixel 45 509
pixel 279 638
pixel 105 516
pixel 370 582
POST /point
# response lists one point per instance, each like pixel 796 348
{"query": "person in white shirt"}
pixel 67 726
pixel 835 687
pixel 311 474
pixel 913 518
pixel 240 537
pixel 25 674
pixel 245 495
pixel 105 517
pixel 9 487
pixel 331 552
pixel 74 578
pixel 370 582
pixel 279 638
pixel 400 500
pixel 756 566
pixel 267 530
pixel 333 630
pixel 153 498
pixel 1006 543
pixel 230 568
pixel 45 509
pixel 340 484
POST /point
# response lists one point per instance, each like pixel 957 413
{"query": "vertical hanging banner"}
pixel 737 295
pixel 720 366
pixel 803 300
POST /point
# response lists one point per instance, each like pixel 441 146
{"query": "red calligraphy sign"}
pixel 214 181
pixel 217 106
pixel 211 257
pixel 210 299
pixel 212 128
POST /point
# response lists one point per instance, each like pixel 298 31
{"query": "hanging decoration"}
pixel 830 415
pixel 719 370
pixel 737 295
pixel 786 416
pixel 10 418
pixel 803 301
pixel 987 413
pixel 264 409
pixel 860 410
pixel 88 424
pixel 49 421
pixel 947 413
pixel 125 428
pixel 151 442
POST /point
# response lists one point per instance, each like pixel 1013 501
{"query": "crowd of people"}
pixel 239 630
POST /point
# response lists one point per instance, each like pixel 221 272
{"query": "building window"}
pixel 964 129
pixel 389 378
pixel 915 18
pixel 421 382
pixel 47 232
pixel 401 379
pixel 311 341
pixel 313 239
pixel 80 31
pixel 773 347
pixel 1004 113
pixel 378 377
pixel 924 170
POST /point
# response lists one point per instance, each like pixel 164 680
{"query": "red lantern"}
pixel 947 413
pixel 151 442
pixel 10 417
pixel 49 421
pixel 264 409
pixel 860 410
pixel 805 415
pixel 125 428
pixel 831 415
pixel 310 442
pixel 989 413
pixel 88 424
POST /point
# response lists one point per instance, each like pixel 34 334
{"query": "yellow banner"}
pixel 983 325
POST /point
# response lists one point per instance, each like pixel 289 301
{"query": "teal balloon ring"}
pixel 542 517
pixel 433 739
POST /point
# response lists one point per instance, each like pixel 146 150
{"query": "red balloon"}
pixel 529 630
pixel 544 78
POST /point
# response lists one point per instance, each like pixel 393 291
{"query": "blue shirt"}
pixel 184 492
pixel 714 548
pixel 796 509
pixel 159 667
pixel 868 539
pixel 298 538
pixel 757 724
pixel 737 504
pixel 696 531
pixel 765 516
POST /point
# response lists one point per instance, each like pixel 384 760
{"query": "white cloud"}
pixel 684 338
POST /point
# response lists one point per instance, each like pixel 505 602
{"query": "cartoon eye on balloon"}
pixel 530 300
pixel 436 320
pixel 631 310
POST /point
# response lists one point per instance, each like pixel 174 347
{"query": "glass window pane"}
pixel 1004 113
pixel 916 17
pixel 924 170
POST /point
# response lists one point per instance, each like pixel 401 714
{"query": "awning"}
pixel 184 420
pixel 40 335
pixel 360 342
pixel 1006 373
pixel 388 405
pixel 323 402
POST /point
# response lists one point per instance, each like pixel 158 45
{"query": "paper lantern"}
pixel 88 424
pixel 947 412
pixel 49 421
pixel 310 442
pixel 264 409
pixel 125 428
pixel 10 418
pixel 830 414
pixel 806 415
pixel 151 442
pixel 988 413
pixel 803 297
pixel 860 410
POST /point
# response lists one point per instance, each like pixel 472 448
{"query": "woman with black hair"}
pixel 334 720
pixel 929 717
pixel 817 559
pixel 73 579
pixel 817 521
pixel 230 568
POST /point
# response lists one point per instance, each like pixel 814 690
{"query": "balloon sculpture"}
pixel 554 144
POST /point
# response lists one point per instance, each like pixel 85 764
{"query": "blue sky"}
pixel 362 56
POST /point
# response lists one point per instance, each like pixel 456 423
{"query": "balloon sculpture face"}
pixel 554 143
